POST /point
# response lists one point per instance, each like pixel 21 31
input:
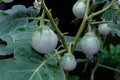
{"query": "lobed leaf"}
pixel 21 36
pixel 109 15
pixel 27 65
pixel 24 32
pixel 115 28
pixel 12 45
pixel 15 18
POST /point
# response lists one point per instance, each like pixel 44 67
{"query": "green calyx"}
pixel 42 26
pixel 70 55
pixel 36 4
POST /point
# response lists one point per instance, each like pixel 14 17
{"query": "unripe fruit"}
pixel 79 9
pixel 90 44
pixel 68 62
pixel 44 40
pixel 103 29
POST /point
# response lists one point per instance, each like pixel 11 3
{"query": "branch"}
pixel 101 22
pixel 54 24
pixel 85 19
pixel 116 70
pixel 103 10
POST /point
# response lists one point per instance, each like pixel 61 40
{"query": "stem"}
pixel 57 53
pixel 89 27
pixel 103 10
pixel 98 61
pixel 54 24
pixel 116 70
pixel 69 47
pixel 60 52
pixel 81 60
pixel 36 1
pixel 42 19
pixel 100 22
pixel 85 19
pixel 85 68
pixel 34 18
pixel 95 68
pixel 67 75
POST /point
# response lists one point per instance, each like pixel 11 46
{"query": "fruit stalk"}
pixel 42 19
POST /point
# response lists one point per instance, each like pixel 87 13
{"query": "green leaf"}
pixel 7 1
pixel 93 7
pixel 2 13
pixel 109 15
pixel 22 11
pixel 115 28
pixel 27 65
pixel 12 45
pixel 50 25
pixel 17 38
pixel 118 11
pixel 74 77
pixel 111 56
pixel 16 17
pixel 24 32
pixel 69 39
pixel 1 0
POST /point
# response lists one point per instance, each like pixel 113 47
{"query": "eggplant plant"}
pixel 33 46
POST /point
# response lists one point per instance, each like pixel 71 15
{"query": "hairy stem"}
pixel 67 75
pixel 82 26
pixel 101 22
pixel 42 19
pixel 95 68
pixel 103 10
pixel 86 18
pixel 104 66
pixel 54 24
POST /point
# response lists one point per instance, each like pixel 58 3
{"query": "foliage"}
pixel 18 24
pixel 27 65
pixel 6 1
pixel 111 56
